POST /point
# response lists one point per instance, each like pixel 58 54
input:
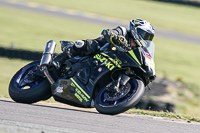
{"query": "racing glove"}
pixel 107 33
pixel 112 37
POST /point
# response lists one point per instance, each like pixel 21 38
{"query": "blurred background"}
pixel 26 25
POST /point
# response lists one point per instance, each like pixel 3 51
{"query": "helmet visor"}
pixel 145 35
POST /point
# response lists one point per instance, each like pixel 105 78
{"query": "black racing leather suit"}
pixel 93 45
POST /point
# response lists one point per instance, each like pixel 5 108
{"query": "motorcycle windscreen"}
pixel 150 47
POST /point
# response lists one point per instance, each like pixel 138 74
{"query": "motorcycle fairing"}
pixel 71 90
pixel 109 62
pixel 133 59
pixel 122 60
pixel 83 73
pixel 95 73
pixel 79 88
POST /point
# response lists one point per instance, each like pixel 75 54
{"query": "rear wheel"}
pixel 111 103
pixel 26 87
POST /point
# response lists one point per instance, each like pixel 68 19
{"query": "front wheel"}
pixel 108 103
pixel 27 87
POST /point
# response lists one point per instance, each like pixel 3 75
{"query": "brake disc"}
pixel 113 96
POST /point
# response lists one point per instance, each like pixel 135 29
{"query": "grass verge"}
pixel 27 30
pixel 176 17
pixel 164 114
pixel 8 68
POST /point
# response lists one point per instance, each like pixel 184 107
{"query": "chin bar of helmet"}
pixel 138 40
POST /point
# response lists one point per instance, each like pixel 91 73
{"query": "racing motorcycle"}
pixel 112 80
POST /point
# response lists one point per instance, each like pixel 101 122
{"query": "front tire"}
pixel 122 104
pixel 30 91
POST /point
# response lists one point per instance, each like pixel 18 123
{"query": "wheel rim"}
pixel 23 81
pixel 105 102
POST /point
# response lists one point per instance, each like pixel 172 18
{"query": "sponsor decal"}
pixel 80 94
pixel 109 63
pixel 59 89
pixel 100 69
pixel 49 45
pixel 73 85
pixel 78 97
pixel 147 55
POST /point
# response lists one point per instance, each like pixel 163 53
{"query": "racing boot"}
pixel 68 52
pixel 60 59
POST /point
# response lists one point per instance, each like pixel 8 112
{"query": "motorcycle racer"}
pixel 138 37
pixel 109 73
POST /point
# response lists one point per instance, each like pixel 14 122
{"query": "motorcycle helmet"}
pixel 145 30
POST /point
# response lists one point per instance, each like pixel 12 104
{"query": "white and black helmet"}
pixel 143 28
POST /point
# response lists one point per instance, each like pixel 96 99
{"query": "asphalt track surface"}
pixel 92 18
pixel 46 118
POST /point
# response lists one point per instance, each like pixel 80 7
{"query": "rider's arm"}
pixel 106 34
pixel 90 46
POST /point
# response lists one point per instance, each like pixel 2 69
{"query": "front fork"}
pixel 121 81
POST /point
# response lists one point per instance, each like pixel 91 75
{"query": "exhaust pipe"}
pixel 48 52
pixel 47 74
pixel 46 59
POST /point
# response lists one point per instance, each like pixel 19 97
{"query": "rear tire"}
pixel 39 90
pixel 112 109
